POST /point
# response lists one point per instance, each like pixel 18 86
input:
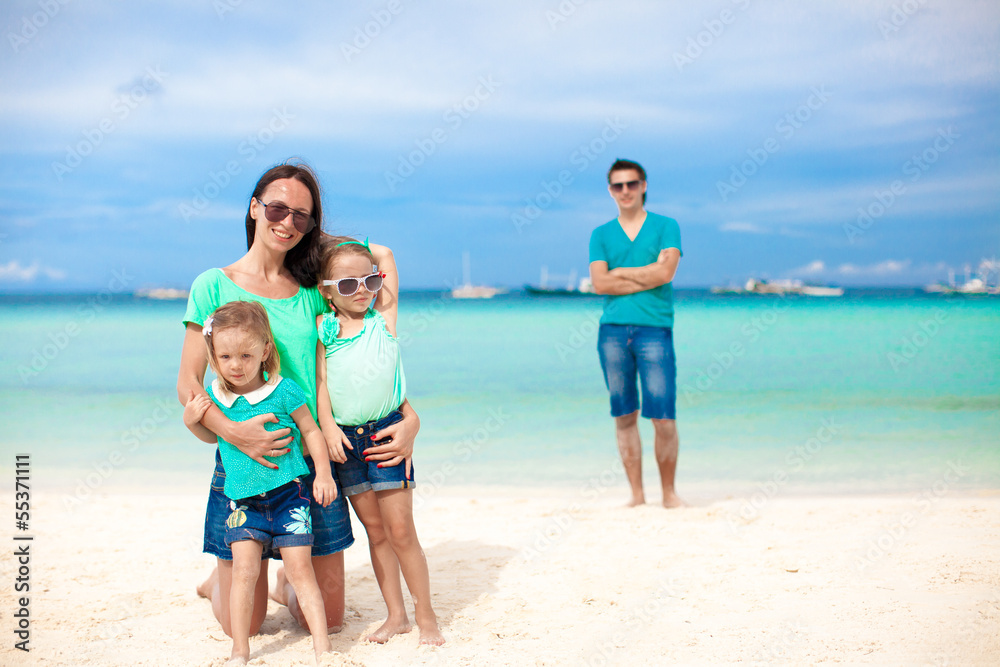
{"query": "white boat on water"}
pixel 164 293
pixel 780 288
pixel 973 286
pixel 469 291
pixel 583 287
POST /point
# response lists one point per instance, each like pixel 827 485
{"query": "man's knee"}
pixel 665 428
pixel 627 421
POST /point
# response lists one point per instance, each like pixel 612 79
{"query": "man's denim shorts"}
pixel 331 525
pixel 279 517
pixel 627 351
pixel 358 475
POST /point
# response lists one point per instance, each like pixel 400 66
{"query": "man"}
pixel 633 259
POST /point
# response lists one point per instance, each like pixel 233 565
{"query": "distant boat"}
pixel 780 288
pixel 972 286
pixel 583 287
pixel 469 291
pixel 165 293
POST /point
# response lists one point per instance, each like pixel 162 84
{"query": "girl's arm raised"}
pixel 387 300
pixel 324 488
pixel 249 436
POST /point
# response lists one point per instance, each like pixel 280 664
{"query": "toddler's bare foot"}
pixel 390 629
pixel 671 500
pixel 204 589
pixel 326 649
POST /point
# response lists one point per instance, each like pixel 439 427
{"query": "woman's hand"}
pixel 251 438
pixel 401 435
pixel 335 443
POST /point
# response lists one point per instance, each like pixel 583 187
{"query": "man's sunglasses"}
pixel 276 212
pixel 630 185
pixel 351 286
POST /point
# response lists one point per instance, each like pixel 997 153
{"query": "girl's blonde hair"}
pixel 251 318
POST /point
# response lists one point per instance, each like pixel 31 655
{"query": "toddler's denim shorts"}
pixel 331 525
pixel 358 475
pixel 279 517
pixel 627 351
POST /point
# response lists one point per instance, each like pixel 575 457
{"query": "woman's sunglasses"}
pixel 351 286
pixel 629 185
pixel 276 212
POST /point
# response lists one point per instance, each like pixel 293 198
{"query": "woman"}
pixel 279 270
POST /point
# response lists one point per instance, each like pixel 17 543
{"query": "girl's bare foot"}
pixel 429 632
pixel 390 629
pixel 205 588
pixel 236 661
pixel 431 636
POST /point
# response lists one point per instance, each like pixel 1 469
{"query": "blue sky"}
pixel 842 142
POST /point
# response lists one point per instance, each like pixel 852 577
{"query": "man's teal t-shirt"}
pixel 293 323
pixel 609 243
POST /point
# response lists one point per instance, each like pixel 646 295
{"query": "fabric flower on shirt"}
pixel 206 330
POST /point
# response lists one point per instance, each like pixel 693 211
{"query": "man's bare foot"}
pixel 672 500
pixel 205 588
pixel 636 501
pixel 390 629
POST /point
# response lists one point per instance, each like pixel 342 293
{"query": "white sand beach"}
pixel 551 577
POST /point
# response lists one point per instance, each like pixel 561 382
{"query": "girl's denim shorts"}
pixel 331 525
pixel 358 475
pixel 279 517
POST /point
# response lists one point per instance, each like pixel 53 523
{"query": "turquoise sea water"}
pixel 879 390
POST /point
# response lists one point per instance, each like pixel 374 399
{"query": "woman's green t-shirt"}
pixel 293 323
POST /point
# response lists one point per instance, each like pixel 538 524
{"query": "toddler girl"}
pixel 269 506
pixel 365 390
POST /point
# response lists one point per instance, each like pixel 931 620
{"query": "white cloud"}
pixel 14 272
pixel 743 227
pixel 886 268
pixel 813 268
